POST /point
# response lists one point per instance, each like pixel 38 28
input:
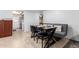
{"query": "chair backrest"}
pixel 33 28
pixel 50 32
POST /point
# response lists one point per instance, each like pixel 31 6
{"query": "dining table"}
pixel 43 29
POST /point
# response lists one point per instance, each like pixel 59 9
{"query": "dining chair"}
pixel 34 31
pixel 46 34
pixel 50 38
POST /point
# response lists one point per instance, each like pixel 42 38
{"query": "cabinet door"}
pixel 1 28
pixel 8 27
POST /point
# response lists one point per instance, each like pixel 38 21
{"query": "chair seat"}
pixel 42 35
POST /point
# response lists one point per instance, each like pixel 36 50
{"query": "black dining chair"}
pixel 51 38
pixel 46 34
pixel 33 31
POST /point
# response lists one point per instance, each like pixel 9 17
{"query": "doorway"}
pixel 18 20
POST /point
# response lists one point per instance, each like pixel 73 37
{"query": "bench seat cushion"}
pixel 59 34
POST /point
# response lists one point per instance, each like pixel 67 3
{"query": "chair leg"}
pixel 54 39
pixel 34 38
pixel 47 43
pixel 37 40
pixel 50 43
pixel 31 35
pixel 42 42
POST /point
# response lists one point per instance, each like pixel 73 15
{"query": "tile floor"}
pixel 19 39
pixel 73 44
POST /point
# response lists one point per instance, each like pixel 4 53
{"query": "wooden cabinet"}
pixel 5 28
